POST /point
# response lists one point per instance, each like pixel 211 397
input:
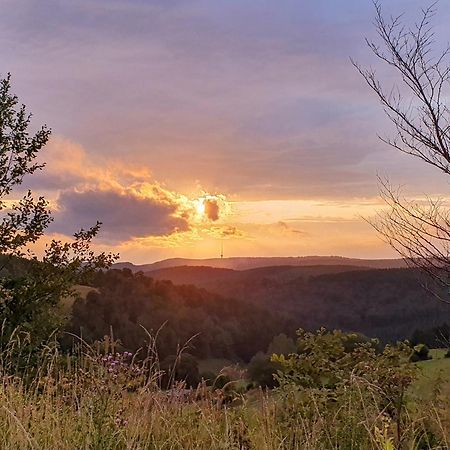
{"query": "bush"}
pixel 328 373
pixel 420 353
pixel 262 370
pixel 208 377
pixel 221 381
pixel 182 367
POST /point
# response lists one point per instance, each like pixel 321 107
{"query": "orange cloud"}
pixel 143 218
pixel 211 209
pixel 125 198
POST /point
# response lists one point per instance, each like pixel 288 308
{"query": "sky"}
pixel 185 125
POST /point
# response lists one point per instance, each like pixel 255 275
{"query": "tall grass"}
pixel 102 399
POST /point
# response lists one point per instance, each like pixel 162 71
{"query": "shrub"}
pixel 420 353
pixel 208 377
pixel 262 370
pixel 182 367
pixel 328 373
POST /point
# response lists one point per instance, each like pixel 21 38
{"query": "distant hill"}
pixel 245 263
pixel 219 280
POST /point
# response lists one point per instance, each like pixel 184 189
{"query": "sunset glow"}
pixel 196 123
pixel 200 206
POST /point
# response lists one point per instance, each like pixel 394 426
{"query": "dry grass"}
pixel 104 400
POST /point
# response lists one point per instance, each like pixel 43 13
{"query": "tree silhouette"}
pixel 418 109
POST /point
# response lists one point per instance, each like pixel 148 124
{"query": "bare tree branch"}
pixel 418 231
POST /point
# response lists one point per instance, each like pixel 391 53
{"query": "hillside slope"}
pixel 244 263
pixel 386 303
pixel 237 313
pixel 220 280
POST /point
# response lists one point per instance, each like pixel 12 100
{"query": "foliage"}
pixel 281 345
pixel 216 327
pixel 23 222
pixel 435 337
pixel 183 367
pixel 325 359
pixel 262 370
pixel 420 353
pixel 387 303
pixel 333 365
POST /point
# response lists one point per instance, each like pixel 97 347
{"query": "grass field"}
pixel 106 402
pixel 434 376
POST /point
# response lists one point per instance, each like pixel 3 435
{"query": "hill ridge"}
pixel 245 263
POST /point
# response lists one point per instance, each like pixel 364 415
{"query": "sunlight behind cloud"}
pixel 143 218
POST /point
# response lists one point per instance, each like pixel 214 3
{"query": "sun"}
pixel 200 206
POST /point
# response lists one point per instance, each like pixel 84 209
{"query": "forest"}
pixel 131 305
pixel 236 320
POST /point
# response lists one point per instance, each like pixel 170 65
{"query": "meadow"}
pixel 101 399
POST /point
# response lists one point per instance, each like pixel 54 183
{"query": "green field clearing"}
pixel 433 374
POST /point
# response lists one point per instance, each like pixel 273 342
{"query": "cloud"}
pixel 266 116
pixel 124 214
pixel 237 95
pixel 231 231
pixel 288 229
pixel 211 209
pixel 67 164
pixel 226 231
pixel 276 230
pixel 125 197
